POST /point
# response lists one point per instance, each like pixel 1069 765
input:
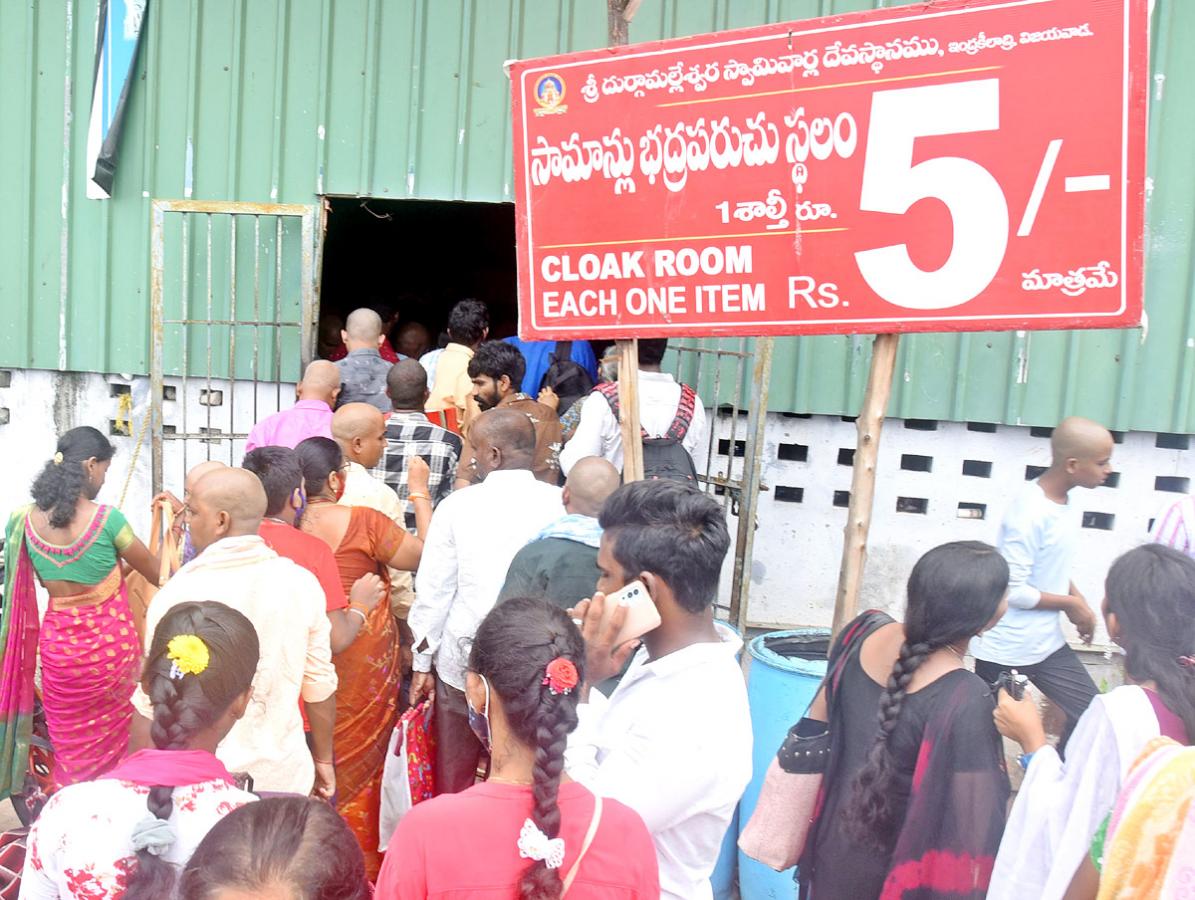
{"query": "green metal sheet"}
pixel 284 100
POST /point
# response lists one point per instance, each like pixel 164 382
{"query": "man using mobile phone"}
pixel 673 741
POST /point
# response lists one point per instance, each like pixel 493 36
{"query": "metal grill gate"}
pixel 233 310
pixel 732 377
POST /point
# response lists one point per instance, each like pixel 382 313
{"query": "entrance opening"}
pixel 419 257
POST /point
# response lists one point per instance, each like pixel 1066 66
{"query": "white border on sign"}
pixel 688 326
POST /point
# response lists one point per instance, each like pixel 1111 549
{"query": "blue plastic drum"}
pixel 787 667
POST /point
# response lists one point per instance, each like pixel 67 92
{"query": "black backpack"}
pixel 664 457
pixel 568 379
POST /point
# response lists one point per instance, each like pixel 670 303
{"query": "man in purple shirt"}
pixel 311 416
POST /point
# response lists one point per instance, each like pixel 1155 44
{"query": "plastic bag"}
pixel 407 777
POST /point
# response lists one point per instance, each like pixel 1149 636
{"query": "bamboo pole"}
pixel 617 34
pixel 628 402
pixel 869 425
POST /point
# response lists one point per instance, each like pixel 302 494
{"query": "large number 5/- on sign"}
pixel 955 166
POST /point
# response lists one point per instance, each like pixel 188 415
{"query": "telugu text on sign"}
pixel 957 167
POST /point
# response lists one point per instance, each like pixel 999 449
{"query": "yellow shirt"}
pixel 452 387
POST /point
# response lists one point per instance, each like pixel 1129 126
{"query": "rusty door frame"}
pixel 309 298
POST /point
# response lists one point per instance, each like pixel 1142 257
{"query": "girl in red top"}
pixel 523 833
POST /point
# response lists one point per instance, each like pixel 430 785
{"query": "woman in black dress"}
pixel 914 795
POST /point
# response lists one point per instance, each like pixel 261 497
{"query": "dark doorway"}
pixel 422 256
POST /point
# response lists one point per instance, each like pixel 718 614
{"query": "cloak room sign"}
pixel 960 166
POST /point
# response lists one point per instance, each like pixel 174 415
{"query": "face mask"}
pixel 479 722
pixel 301 508
pixel 189 551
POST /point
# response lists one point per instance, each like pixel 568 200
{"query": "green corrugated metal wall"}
pixel 280 100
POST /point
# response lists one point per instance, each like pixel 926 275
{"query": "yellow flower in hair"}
pixel 188 655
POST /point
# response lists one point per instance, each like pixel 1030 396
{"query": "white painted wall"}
pixel 797 546
pixel 41 405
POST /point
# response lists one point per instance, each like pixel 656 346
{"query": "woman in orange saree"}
pixel 363 540
pixel 89 649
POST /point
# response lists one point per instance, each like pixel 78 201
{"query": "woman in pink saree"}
pixel 88 644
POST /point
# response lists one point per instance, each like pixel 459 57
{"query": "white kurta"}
pixel 1060 805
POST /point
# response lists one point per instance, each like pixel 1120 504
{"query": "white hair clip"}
pixel 534 844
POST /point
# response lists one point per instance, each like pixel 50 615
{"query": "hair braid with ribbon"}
pixel 202 658
pixel 533 655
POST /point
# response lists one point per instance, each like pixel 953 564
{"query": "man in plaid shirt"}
pixel 409 433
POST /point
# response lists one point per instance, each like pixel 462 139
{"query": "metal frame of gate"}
pixel 186 320
pixel 702 366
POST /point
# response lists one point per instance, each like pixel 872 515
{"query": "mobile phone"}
pixel 642 615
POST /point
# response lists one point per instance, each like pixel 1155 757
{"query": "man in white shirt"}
pixel 286 605
pixel 1039 537
pixel 474 535
pixel 599 434
pixel 674 740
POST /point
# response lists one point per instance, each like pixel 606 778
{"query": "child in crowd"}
pixel 127 834
pixel 280 848
pixel 1039 536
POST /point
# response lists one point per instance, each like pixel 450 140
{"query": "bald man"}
pixel 560 563
pixel 182 534
pixel 473 537
pixel 360 430
pixel 286 606
pixel 1039 537
pixel 311 416
pixel 363 371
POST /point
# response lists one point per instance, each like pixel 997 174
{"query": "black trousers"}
pixel 457 749
pixel 1061 676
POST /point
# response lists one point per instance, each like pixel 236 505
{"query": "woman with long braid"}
pixel 912 804
pixel 529 829
pixel 127 834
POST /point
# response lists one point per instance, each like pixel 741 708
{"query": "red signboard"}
pixel 959 166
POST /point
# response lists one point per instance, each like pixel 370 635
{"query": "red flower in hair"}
pixel 562 676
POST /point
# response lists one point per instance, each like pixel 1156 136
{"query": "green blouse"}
pixel 90 558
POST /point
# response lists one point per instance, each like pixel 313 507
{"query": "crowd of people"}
pixel 452 533
pixel 914 790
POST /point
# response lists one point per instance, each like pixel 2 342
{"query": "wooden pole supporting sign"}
pixel 618 20
pixel 863 477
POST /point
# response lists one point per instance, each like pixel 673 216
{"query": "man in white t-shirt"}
pixel 1039 537
pixel 674 740
pixel 599 433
